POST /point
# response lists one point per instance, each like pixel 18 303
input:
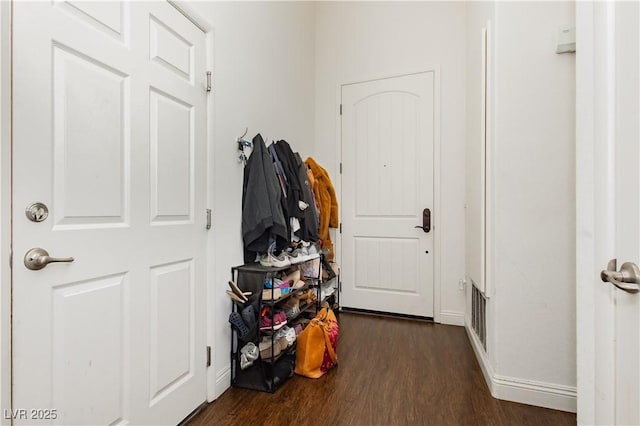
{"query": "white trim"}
pixel 211 204
pixel 337 242
pixel 222 382
pixel 5 208
pixel 585 208
pixel 481 356
pixel 489 169
pixel 541 394
pixel 207 28
pixel 452 318
pixel 193 15
pixel 436 223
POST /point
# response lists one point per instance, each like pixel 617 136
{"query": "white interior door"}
pixel 608 147
pixel 387 182
pixel 109 133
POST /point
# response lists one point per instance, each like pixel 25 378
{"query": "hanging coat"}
pixel 262 217
pixel 328 203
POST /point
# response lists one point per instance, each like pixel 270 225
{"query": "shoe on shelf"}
pixel 267 323
pixel 269 348
pixel 251 351
pixel 290 335
pixel 271 260
pixel 277 283
pixel 313 251
pixel 296 256
pixel 271 294
pixel 236 321
pixel 244 362
pixel 292 307
pixel 236 290
pixel 248 315
pixel 280 338
pixel 292 277
pixel 248 354
pixel 235 297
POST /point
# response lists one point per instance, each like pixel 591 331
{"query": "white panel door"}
pixel 109 129
pixel 387 182
pixel 609 224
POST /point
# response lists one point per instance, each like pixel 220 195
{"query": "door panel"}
pixel 170 50
pixel 172 138
pixel 627 211
pixel 609 109
pixel 113 142
pixel 90 140
pixel 106 16
pixel 172 322
pixel 88 324
pixel 387 148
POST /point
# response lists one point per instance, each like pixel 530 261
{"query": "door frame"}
pixel 594 214
pixel 435 224
pixel 5 209
pixel 205 25
pixel 6 282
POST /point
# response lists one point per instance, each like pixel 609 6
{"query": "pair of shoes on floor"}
pixel 248 354
pixel 243 322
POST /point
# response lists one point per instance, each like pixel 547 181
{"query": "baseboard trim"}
pixel 223 381
pixel 541 394
pixel 452 318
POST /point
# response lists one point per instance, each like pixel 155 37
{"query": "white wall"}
pixel 357 41
pixel 533 252
pixel 263 79
pixel 535 194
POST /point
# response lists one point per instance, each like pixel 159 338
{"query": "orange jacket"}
pixel 325 196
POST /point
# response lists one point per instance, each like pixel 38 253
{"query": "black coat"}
pixel 262 217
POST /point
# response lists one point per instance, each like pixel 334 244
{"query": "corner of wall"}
pixel 541 394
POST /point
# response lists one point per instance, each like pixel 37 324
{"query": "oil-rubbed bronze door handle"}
pixel 426 221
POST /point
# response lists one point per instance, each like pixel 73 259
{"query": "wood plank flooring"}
pixel 392 372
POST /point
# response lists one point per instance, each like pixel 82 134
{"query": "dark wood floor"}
pixel 391 372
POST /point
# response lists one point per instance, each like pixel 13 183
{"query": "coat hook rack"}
pixel 242 144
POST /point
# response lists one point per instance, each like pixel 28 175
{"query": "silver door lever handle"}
pixel 627 279
pixel 38 258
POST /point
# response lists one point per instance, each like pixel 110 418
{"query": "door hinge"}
pixel 340 109
pixel 341 227
pixel 208 356
pixel 340 168
pixel 208 81
pixel 208 218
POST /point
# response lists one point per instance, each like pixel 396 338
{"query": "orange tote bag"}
pixel 316 351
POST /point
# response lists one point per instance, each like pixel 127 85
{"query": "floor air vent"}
pixel 478 315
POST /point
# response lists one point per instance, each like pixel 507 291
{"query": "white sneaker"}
pixel 270 259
